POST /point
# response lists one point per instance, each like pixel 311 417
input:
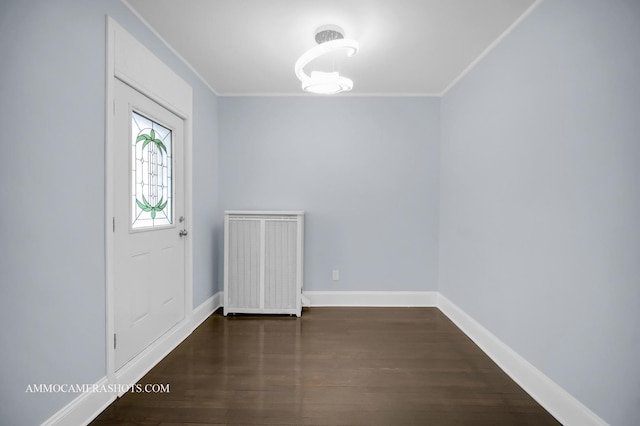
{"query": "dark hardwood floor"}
pixel 332 366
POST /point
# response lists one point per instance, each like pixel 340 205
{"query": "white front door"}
pixel 149 248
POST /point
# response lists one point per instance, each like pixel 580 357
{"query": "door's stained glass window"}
pixel 151 173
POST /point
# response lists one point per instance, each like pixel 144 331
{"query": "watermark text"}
pixel 118 388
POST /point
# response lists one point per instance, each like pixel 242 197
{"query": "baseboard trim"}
pixel 84 408
pixel 372 298
pixel 558 402
pixel 87 406
pixel 206 308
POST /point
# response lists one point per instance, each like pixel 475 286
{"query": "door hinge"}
pixel 114 223
pixel 114 340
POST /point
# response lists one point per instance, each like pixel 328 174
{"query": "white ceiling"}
pixel 407 47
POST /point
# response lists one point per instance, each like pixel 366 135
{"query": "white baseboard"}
pixel 372 298
pixel 84 408
pixel 87 406
pixel 205 309
pixel 562 405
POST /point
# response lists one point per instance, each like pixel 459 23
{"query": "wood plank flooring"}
pixel 332 366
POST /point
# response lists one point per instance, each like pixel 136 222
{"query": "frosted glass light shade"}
pixel 325 82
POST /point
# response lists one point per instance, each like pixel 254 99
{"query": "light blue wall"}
pixel 52 262
pixel 207 221
pixel 540 205
pixel 365 170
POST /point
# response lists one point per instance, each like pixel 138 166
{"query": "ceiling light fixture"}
pixel 330 39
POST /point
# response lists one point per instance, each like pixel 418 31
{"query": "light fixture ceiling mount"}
pixel 330 38
pixel 328 33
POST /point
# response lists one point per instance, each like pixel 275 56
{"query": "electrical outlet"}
pixel 335 275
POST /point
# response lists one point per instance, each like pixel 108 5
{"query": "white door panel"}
pixel 149 252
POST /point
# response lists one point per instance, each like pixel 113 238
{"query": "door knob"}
pixel 183 233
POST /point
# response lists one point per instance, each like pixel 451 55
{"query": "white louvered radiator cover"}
pixel 263 262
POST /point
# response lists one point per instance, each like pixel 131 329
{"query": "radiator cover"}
pixel 263 262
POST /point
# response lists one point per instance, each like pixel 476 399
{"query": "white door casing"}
pixel 148 261
pixel 131 63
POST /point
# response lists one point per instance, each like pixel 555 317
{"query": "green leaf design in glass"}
pixel 153 209
pixel 151 137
